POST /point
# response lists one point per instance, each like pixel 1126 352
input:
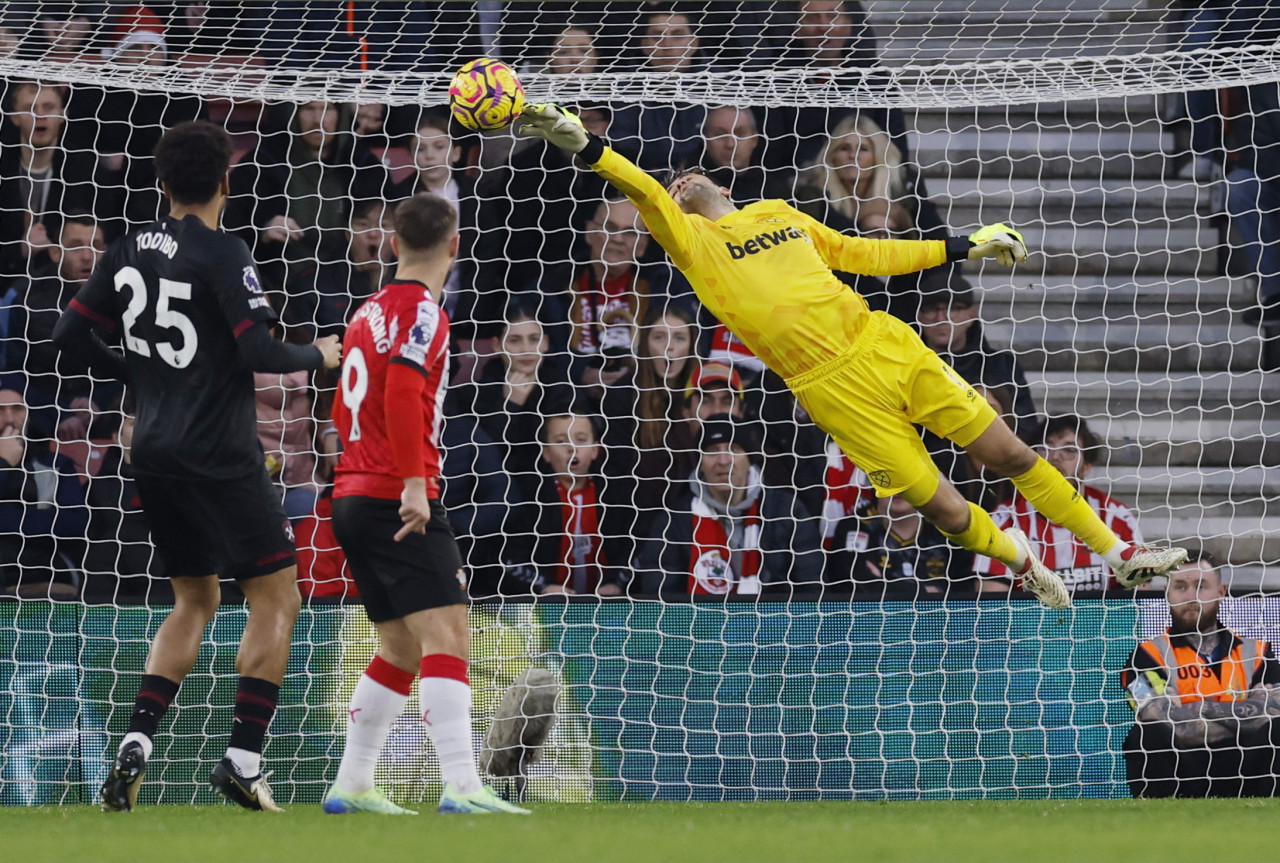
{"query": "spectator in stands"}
pixel 291 196
pixel 62 31
pixel 715 388
pixel 120 562
pixel 322 298
pixel 42 507
pixel 369 127
pixel 730 534
pixel 287 430
pixel 1253 193
pixel 607 296
pixel 583 540
pixel 123 126
pixel 732 140
pixel 532 212
pixel 40 179
pixel 513 394
pixel 8 42
pixel 647 437
pixel 887 548
pixel 1203 25
pixel 436 157
pixel 1206 701
pixel 829 35
pixel 856 183
pixel 846 489
pixel 1071 447
pixel 137 39
pixel 204 30
pixel 484 505
pixel 660 136
pixel 36 305
pixel 573 52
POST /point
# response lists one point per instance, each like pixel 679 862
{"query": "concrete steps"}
pixel 1034 151
pixel 1102 346
pixel 1241 400
pixel 953 31
pixel 1083 203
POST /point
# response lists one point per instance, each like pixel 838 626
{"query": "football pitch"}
pixel 937 832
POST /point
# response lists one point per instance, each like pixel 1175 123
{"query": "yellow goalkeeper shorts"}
pixel 868 398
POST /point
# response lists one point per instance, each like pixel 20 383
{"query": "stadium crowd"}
pixel 604 434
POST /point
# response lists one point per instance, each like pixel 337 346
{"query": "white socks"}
pixel 139 738
pixel 1115 556
pixel 373 710
pixel 445 695
pixel 248 764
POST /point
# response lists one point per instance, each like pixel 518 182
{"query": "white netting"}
pixel 1129 141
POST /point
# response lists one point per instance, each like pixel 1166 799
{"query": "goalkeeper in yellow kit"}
pixel 765 270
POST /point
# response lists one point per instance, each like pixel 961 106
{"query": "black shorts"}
pixel 234 528
pixel 396 579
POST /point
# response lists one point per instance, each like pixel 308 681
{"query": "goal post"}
pixel 1067 119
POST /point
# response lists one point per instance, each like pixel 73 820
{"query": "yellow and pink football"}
pixel 485 94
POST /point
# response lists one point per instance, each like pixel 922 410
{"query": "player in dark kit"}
pixel 389 520
pixel 185 302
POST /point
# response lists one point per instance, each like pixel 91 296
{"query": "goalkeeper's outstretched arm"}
pixel 668 224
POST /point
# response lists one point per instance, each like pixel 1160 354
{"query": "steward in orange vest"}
pixel 1208 718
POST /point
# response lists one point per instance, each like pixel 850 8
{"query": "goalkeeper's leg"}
pixel 971 527
pixel 1055 498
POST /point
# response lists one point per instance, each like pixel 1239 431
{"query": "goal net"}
pixel 749 625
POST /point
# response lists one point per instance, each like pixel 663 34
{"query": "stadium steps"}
pixel 1017 294
pixel 1241 400
pixel 1065 203
pixel 1080 152
pixel 958 31
pixel 1100 345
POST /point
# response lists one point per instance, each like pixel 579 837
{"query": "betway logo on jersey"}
pixel 761 242
pixel 383 335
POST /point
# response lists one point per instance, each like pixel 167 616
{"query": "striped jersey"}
pixel 1058 548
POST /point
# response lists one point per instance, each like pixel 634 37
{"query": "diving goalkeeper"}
pixel 765 270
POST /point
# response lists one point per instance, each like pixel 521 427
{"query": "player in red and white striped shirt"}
pixel 392 527
pixel 1072 448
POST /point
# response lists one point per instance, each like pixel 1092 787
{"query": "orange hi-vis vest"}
pixel 1193 679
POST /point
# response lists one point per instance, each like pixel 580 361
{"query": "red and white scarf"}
pixel 581 551
pixel 712 562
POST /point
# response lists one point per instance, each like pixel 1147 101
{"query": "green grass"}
pixel 1091 831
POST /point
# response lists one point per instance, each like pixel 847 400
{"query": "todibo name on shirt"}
pixel 159 241
pixel 761 242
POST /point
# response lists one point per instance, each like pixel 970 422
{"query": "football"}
pixel 485 94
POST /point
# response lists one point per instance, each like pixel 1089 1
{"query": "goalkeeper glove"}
pixel 555 125
pixel 998 241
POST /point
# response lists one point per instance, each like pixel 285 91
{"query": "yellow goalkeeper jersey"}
pixel 766 270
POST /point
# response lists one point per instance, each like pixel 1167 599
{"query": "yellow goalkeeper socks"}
pixel 983 537
pixel 1055 499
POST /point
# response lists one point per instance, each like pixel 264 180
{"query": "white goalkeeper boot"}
pixel 1044 583
pixel 1144 564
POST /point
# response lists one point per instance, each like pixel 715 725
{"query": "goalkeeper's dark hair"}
pixel 679 173
pixel 424 223
pixel 1088 441
pixel 191 160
